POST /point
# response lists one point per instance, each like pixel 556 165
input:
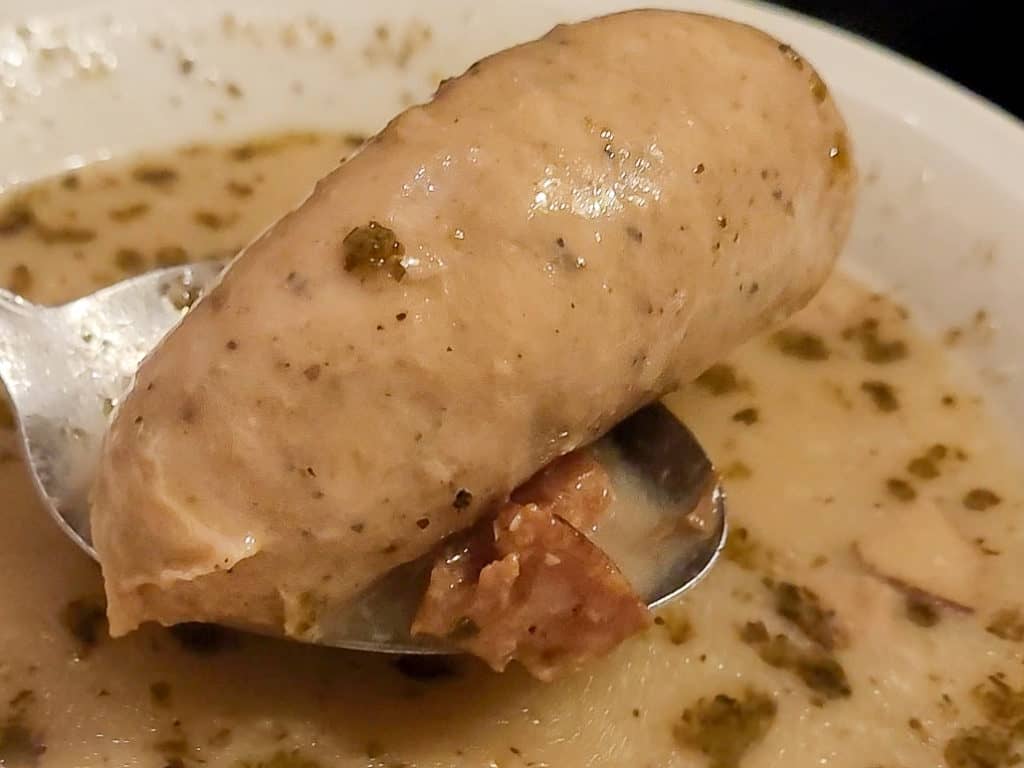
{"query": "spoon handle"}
pixel 12 305
pixel 16 314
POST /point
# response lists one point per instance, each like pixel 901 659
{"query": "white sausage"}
pixel 580 224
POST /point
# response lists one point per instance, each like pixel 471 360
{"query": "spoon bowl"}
pixel 66 368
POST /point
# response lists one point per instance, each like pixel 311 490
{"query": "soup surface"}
pixel 868 612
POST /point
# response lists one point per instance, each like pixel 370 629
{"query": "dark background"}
pixel 979 43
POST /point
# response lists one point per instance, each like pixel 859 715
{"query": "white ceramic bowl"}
pixel 941 215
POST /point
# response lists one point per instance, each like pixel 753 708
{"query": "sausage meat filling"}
pixel 529 585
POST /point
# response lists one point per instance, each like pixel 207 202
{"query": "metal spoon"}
pixel 67 367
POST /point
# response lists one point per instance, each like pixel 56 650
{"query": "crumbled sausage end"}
pixel 574 487
pixel 528 586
